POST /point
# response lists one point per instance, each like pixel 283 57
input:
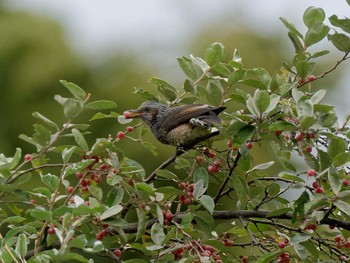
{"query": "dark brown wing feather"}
pixel 183 114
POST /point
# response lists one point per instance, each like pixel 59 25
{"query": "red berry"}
pixel 308 149
pixel 199 159
pixel 169 215
pixel 187 201
pixel 79 175
pixel 51 231
pixel 319 190
pixel 70 189
pixel 286 241
pixel 312 227
pixel 83 182
pixel 117 253
pixel 28 157
pixel 212 169
pixel 249 145
pixel 182 198
pixel 217 163
pixel 99 236
pixel 347 244
pixel 129 128
pixel 299 137
pixel 182 185
pixel 229 144
pixel 228 243
pixel 126 114
pixel 315 185
pixel 343 257
pixel 311 78
pixel 339 245
pixel 32 201
pixel 105 225
pixel 331 227
pixel 104 232
pixel 218 261
pixel 281 244
pixel 120 135
pixel 278 133
pixel 345 181
pixel 85 189
pixel 311 172
pixel 313 135
pixel 244 259
pixel 337 239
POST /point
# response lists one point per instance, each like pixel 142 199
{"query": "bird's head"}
pixel 149 112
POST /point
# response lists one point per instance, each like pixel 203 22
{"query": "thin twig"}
pixel 224 183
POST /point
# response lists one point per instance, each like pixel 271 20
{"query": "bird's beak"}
pixel 132 114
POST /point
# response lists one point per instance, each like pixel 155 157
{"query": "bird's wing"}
pixel 183 114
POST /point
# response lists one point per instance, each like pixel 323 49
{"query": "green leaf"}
pixel 236 76
pixel 50 181
pixel 157 233
pixel 214 54
pixel 141 227
pixel 12 220
pixel 343 206
pixel 298 46
pixel 149 146
pixel 299 238
pixel 336 146
pixel 112 211
pixel 10 163
pixel 315 34
pixel 254 83
pixel 320 54
pixel 80 140
pixel 145 187
pixel 21 245
pixel 282 126
pixel 76 91
pixel 243 135
pixel 278 212
pixel 299 207
pixel 67 154
pixel 190 87
pixel 341 159
pixel 208 203
pixel 115 196
pixel 268 257
pixel 166 174
pixel 44 119
pixel 167 90
pixel 96 192
pixel 313 15
pixel 301 251
pixel 101 105
pixel 214 93
pixel 145 94
pixel 305 68
pixel 72 108
pixel 240 190
pixel 291 27
pixel 42 135
pixel 20 229
pixel 169 190
pixel 199 189
pixel 305 107
pixel 340 41
pixel 262 166
pixel 261 101
pixel 40 214
pixel 344 24
pixel 200 173
pixel 188 68
pixel 290 176
pixel 318 96
pixel 222 69
pixel 334 180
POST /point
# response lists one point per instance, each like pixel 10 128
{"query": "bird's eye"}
pixel 147 109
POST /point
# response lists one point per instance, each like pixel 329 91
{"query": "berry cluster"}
pixel 283 258
pixel 342 242
pixel 283 244
pixel 168 216
pixel 121 134
pixel 188 190
pixel 317 188
pixel 103 233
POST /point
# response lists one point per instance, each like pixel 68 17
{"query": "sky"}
pixel 96 29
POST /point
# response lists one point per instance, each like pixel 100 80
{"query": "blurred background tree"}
pixel 35 53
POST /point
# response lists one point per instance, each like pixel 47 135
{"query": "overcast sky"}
pixel 97 28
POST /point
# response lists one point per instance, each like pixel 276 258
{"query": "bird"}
pixel 181 126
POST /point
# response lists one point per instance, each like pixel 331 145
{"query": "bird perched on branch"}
pixel 181 126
